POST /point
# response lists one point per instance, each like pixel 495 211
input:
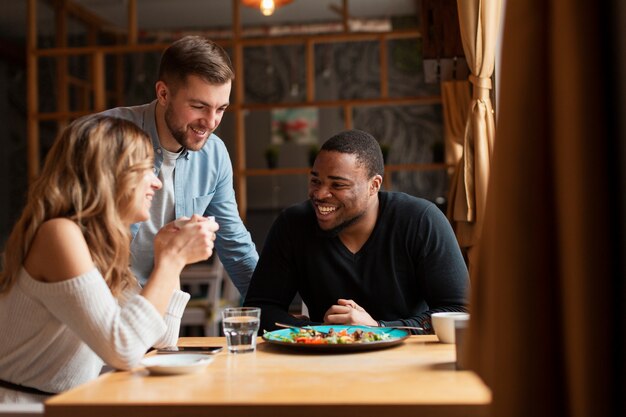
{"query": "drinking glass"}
pixel 241 325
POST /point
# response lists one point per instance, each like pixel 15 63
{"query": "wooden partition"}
pixel 98 95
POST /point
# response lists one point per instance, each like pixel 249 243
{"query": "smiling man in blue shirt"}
pixel 193 90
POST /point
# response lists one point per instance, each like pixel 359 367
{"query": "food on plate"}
pixel 312 336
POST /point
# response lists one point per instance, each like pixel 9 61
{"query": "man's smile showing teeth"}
pixel 326 209
pixel 198 132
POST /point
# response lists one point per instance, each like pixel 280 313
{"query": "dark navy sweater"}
pixel 410 267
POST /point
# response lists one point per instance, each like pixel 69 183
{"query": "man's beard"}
pixel 180 135
pixel 177 134
pixel 342 226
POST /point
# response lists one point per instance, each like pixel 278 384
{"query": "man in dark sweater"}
pixel 356 254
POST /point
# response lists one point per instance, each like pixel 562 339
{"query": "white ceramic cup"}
pixel 443 323
pixel 181 221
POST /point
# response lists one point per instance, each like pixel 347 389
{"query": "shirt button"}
pixel 159 150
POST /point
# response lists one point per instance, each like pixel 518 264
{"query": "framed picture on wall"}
pixel 295 125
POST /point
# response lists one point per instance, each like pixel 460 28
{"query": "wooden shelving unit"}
pixel 97 94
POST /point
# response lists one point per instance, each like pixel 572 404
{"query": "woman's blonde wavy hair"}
pixel 90 176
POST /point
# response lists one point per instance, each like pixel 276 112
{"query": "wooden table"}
pixel 416 378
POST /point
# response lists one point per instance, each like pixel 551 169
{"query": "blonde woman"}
pixel 68 300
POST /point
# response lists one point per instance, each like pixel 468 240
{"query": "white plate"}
pixel 180 363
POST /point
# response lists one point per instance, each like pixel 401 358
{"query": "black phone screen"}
pixel 190 349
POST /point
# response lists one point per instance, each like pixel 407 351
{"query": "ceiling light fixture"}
pixel 267 7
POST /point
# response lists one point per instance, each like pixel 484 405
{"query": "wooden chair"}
pixel 204 281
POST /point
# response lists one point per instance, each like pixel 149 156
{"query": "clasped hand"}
pixel 189 240
pixel 348 312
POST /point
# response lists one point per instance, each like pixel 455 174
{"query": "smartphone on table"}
pixel 190 349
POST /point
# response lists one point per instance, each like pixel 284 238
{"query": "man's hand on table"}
pixel 348 312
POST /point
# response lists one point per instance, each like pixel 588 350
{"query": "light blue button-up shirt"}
pixel 203 184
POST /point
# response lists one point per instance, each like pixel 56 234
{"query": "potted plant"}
pixel 312 154
pixel 271 156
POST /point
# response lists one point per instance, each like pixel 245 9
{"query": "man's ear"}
pixel 375 184
pixel 162 92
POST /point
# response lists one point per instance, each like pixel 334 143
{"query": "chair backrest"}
pixel 205 283
pixel 210 274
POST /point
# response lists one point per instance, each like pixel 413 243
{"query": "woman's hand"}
pixel 348 312
pixel 185 241
pixel 178 243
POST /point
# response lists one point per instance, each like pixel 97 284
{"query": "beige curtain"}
pixel 547 328
pixel 456 99
pixel 479 29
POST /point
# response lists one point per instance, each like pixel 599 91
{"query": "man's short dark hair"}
pixel 195 55
pixel 361 144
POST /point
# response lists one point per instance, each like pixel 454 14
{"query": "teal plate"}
pixel 396 336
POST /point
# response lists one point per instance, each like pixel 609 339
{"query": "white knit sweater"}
pixel 55 336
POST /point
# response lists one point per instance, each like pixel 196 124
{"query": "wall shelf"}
pixel 305 171
pixel 380 101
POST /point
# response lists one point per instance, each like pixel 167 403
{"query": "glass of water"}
pixel 241 325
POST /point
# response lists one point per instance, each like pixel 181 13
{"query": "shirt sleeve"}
pixel 441 270
pixel 234 244
pixel 120 335
pixel 173 315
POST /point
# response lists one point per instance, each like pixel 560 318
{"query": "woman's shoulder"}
pixel 60 233
pixel 58 225
pixel 58 252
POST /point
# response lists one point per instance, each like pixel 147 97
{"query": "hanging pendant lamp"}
pixel 267 7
